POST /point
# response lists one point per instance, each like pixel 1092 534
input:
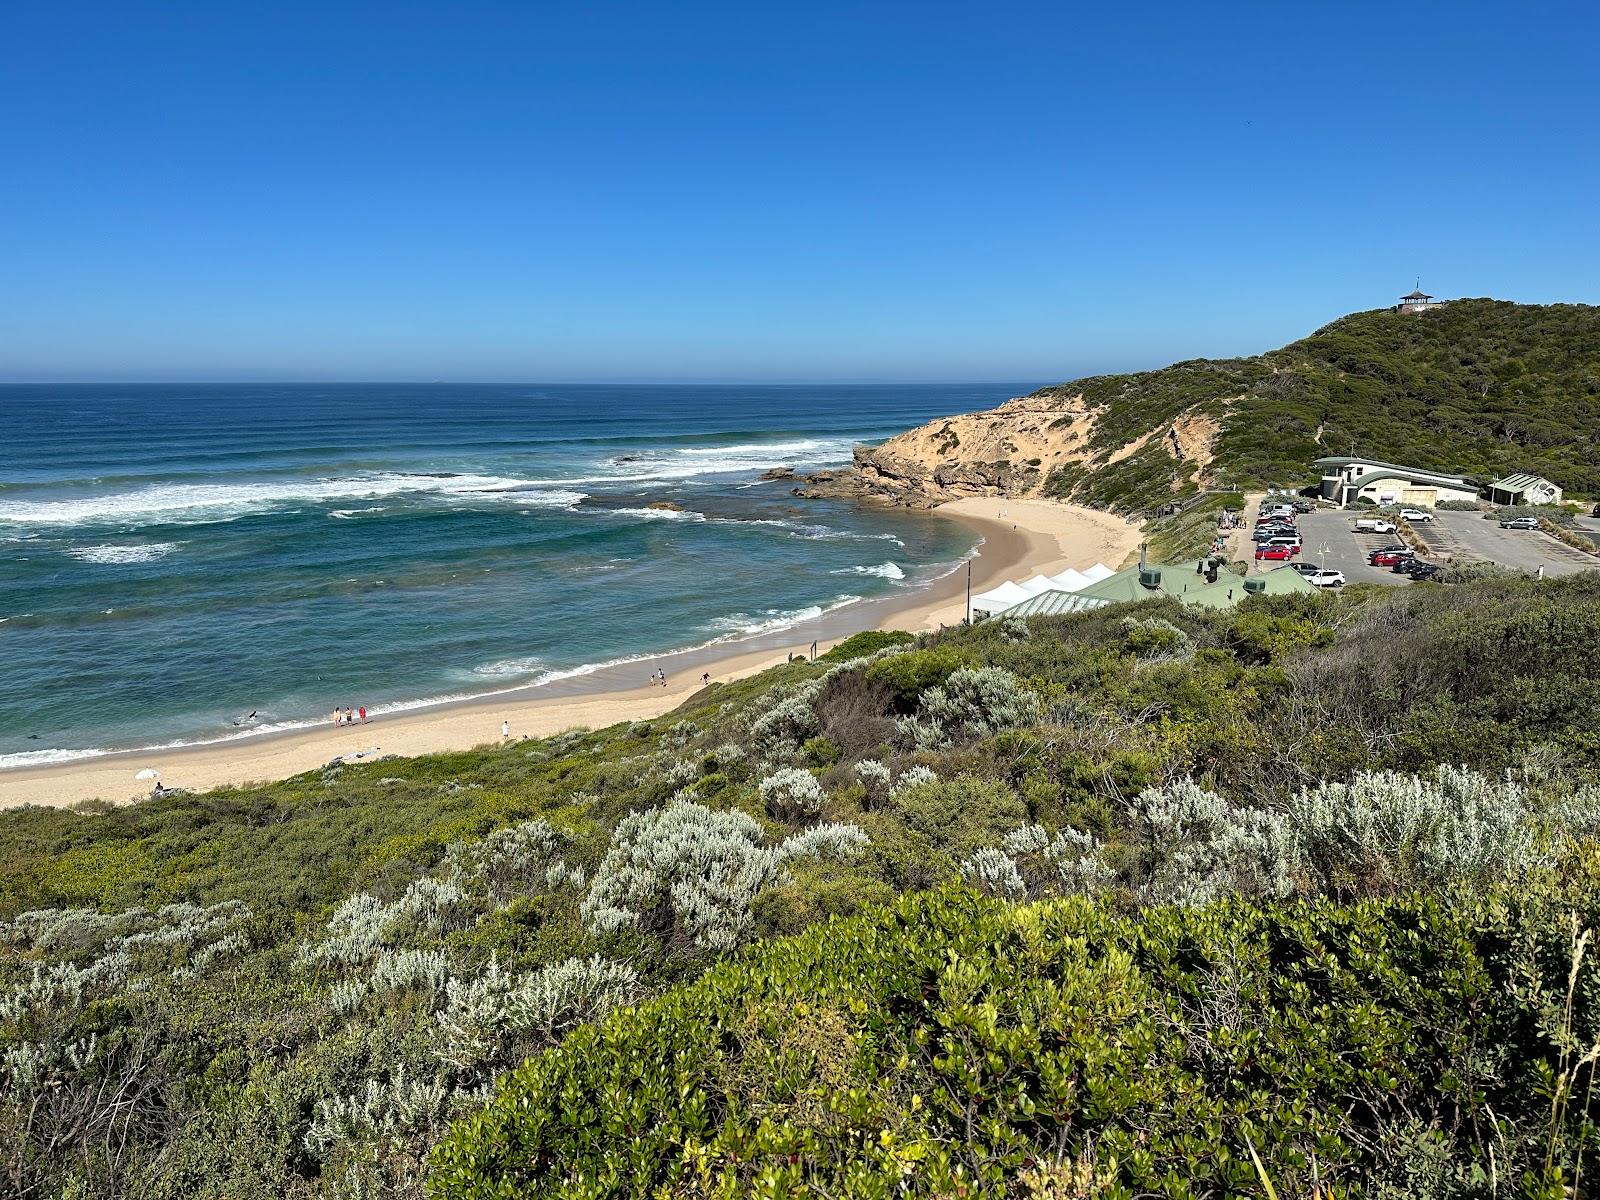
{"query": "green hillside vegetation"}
pixel 1091 905
pixel 1481 387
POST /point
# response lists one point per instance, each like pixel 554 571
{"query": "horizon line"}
pixel 622 382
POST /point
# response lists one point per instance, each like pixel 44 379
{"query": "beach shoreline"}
pixel 1020 538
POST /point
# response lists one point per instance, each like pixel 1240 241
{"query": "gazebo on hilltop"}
pixel 1415 301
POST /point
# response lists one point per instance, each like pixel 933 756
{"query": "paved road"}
pixel 1590 525
pixel 1331 541
pixel 1467 537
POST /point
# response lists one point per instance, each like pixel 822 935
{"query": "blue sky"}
pixel 804 191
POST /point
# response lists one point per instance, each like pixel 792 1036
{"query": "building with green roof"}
pixel 1345 480
pixel 1524 489
pixel 1189 585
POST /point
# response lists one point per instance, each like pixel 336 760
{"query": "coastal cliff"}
pixel 1019 449
pixel 1479 387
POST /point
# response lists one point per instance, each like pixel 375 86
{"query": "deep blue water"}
pixel 174 556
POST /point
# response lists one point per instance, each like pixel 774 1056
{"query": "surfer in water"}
pixel 246 719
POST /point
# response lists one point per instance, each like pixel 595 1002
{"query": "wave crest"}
pixel 887 570
pixel 161 503
pixel 121 555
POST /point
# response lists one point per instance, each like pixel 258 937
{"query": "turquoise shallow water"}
pixel 174 557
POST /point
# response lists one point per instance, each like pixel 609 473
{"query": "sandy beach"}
pixel 1020 538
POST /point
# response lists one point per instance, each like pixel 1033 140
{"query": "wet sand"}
pixel 1021 538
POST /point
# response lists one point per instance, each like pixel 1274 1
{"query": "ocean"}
pixel 174 557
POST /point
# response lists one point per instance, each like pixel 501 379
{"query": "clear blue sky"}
pixel 801 191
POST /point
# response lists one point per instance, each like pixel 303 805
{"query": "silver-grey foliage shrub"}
pixel 1068 861
pixel 680 734
pixel 977 702
pixel 914 776
pixel 392 1111
pixel 792 796
pixel 95 953
pixel 689 875
pixel 363 925
pixel 994 873
pixel 788 720
pixel 1196 846
pixel 501 1016
pixel 408 970
pixel 874 776
pixel 916 734
pixel 1014 629
pixel 1386 829
pixel 517 860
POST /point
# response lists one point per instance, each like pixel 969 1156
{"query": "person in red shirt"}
pixel 363 714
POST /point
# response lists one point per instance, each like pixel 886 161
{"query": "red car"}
pixel 1388 558
pixel 1279 552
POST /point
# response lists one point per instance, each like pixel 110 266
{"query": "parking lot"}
pixel 1330 540
pixel 1462 537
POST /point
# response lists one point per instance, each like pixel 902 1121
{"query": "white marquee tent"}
pixel 1007 594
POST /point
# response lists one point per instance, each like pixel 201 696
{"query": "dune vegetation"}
pixel 1144 901
pixel 1480 387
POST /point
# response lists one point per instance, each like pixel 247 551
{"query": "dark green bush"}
pixel 869 641
pixel 952 1045
pixel 914 672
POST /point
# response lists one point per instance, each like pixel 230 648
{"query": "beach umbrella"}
pixel 148 773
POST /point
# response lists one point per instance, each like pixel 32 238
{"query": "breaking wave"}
pixel 886 570
pixel 736 625
pixel 188 501
pixel 122 555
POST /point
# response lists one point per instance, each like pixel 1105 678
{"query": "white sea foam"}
pixel 350 514
pixel 886 570
pixel 656 514
pixel 740 625
pixel 510 666
pixel 689 461
pixel 45 758
pixel 122 555
pixel 212 501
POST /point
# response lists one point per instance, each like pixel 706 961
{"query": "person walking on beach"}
pixel 363 714
pixel 505 730
pixel 338 717
pixel 349 717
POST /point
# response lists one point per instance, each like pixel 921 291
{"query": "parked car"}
pixel 1415 514
pixel 1280 553
pixel 1305 506
pixel 1326 578
pixel 1304 568
pixel 1374 525
pixel 1388 558
pixel 1520 523
pixel 1596 512
pixel 1423 572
